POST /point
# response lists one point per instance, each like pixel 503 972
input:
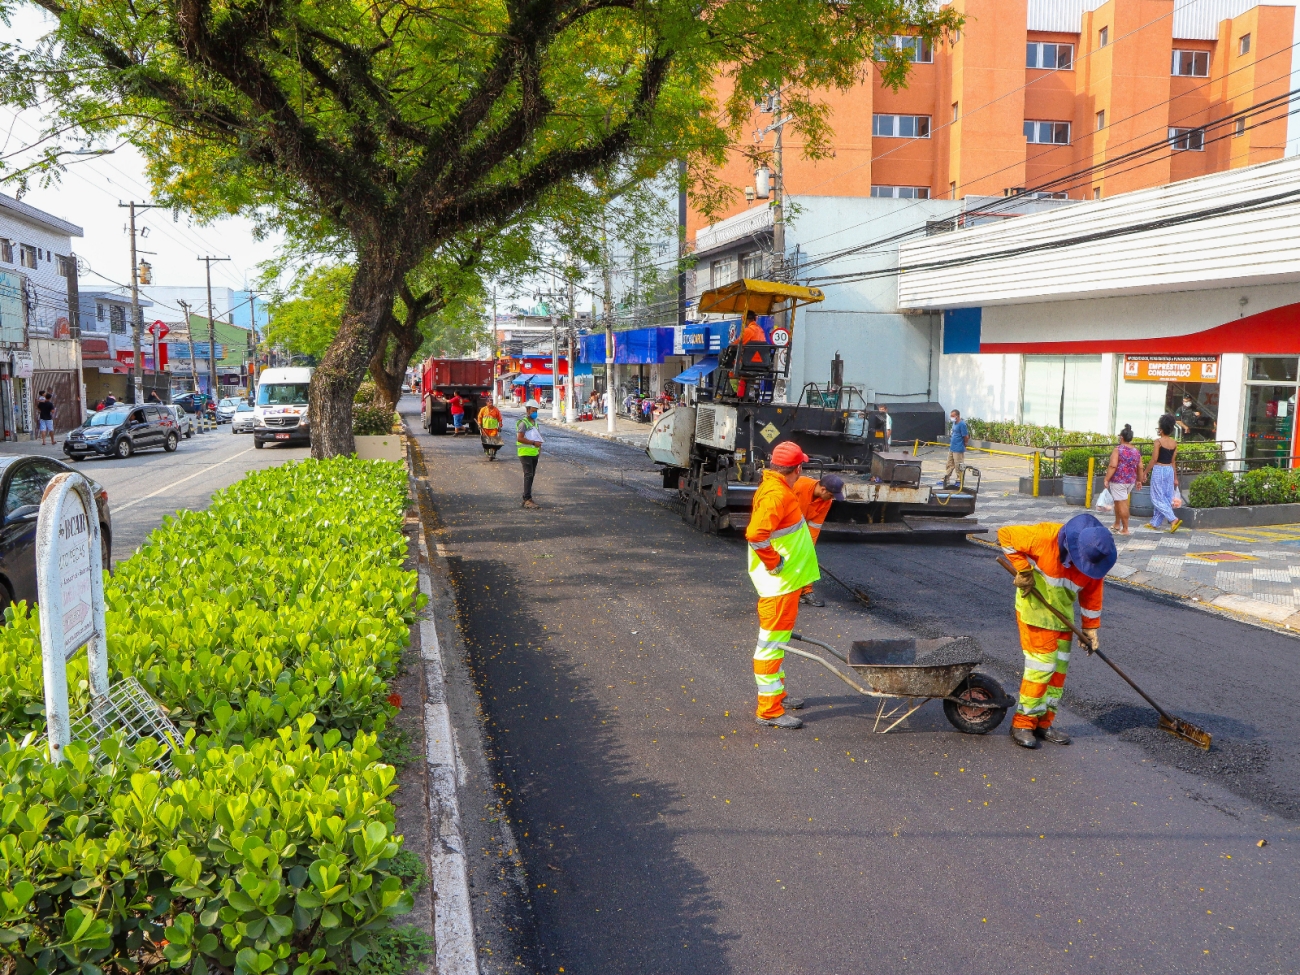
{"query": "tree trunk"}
pixel 392 356
pixel 335 381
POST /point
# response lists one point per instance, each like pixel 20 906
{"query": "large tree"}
pixel 397 126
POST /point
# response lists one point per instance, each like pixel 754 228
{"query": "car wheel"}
pixel 106 548
pixel 258 444
pixel 171 442
pixel 125 448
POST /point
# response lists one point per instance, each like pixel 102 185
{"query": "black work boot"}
pixel 787 721
pixel 810 599
pixel 792 703
pixel 1024 737
pixel 1053 734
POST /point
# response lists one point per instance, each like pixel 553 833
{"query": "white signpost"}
pixel 70 597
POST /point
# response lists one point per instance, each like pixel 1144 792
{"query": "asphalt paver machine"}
pixel 713 451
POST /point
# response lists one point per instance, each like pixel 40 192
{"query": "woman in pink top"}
pixel 1123 474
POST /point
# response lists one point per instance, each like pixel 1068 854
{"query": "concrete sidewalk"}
pixel 626 431
pixel 1251 572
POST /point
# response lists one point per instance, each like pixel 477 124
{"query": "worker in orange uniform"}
pixel 752 332
pixel 815 499
pixel 1062 563
pixel 782 561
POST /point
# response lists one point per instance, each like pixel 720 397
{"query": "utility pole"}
pixel 496 353
pixel 681 242
pixel 778 217
pixel 607 303
pixel 189 340
pixel 137 322
pixel 212 329
pixel 555 363
pixel 571 398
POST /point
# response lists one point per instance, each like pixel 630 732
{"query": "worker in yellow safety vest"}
pixel 782 561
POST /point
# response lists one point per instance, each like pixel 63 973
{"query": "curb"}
pixel 614 438
pixel 1243 609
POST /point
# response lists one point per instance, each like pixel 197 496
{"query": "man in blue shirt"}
pixel 957 441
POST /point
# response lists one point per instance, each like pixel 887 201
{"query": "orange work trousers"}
pixel 776 619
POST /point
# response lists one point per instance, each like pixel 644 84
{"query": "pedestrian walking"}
pixel 782 561
pixel 528 444
pixel 457 414
pixel 883 410
pixel 958 440
pixel 1164 484
pixel 1061 563
pixel 815 498
pixel 45 415
pixel 1123 475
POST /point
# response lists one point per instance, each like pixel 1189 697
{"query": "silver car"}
pixel 244 418
pixel 184 421
pixel 226 409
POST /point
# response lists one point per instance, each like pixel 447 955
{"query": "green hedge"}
pixel 1264 485
pixel 268 625
pixel 1032 435
pixel 1193 456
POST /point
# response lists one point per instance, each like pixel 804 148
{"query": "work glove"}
pixel 1024 580
pixel 1093 643
pixel 776 571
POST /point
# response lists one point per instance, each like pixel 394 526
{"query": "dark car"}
pixel 195 403
pixel 122 430
pixel 22 482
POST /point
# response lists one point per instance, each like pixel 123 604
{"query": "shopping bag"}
pixel 1178 500
pixel 1104 501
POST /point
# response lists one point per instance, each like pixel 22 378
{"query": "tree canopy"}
pixel 393 128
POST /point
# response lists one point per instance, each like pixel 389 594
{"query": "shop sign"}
pixel 22 365
pixel 1172 368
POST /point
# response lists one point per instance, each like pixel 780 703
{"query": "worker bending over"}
pixel 781 562
pixel 1062 563
pixel 815 499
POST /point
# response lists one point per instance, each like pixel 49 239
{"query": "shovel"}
pixel 1175 726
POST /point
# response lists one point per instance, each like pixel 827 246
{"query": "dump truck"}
pixel 713 451
pixel 440 379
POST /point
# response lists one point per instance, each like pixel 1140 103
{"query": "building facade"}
pixel 1113 313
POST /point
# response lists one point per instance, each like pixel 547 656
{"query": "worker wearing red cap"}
pixel 815 498
pixel 782 561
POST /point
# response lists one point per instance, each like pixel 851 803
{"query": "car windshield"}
pixel 229 401
pixel 282 394
pixel 243 408
pixel 108 418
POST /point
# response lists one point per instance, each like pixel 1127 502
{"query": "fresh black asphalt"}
pixel 662 831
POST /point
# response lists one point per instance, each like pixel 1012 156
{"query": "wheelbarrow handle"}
pixel 1006 564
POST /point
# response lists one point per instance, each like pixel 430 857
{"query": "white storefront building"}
pixel 1113 312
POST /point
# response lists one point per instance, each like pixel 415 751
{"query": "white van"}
pixel 280 410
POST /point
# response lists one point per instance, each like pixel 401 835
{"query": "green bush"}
pixel 1213 490
pixel 1074 462
pixel 369 420
pixel 1267 485
pixel 1199 456
pixel 268 625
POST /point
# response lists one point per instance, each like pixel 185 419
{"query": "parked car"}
pixel 245 418
pixel 185 422
pixel 226 409
pixel 22 482
pixel 195 403
pixel 281 408
pixel 123 430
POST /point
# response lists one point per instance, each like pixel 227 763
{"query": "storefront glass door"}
pixel 1062 391
pixel 1270 412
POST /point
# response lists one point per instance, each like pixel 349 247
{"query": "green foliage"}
pixel 372 420
pixel 397 951
pixel 1267 485
pixel 305 319
pixel 1214 490
pixel 268 625
pixel 1074 462
pixel 1198 456
pixel 1032 435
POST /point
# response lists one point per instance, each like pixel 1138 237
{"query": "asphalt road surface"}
pixel 152 484
pixel 660 830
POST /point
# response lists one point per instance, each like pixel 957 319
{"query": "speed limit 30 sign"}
pixel 780 337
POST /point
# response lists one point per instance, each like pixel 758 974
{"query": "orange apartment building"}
pixel 1047 96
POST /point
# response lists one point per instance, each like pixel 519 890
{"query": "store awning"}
pixel 544 381
pixel 696 373
pixel 757 296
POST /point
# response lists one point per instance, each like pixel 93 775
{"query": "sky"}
pixel 88 196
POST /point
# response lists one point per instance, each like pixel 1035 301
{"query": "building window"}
pixel 1243 44
pixel 1187 140
pixel 1103 37
pixel 751 264
pixel 1054 57
pixel 1101 120
pixel 901 126
pixel 1192 64
pixel 952 190
pixel 99 311
pixel 902 192
pixel 1048 133
pixel 27 255
pixel 918 49
pixel 1096 192
pixel 722 272
pixel 1239 127
pixel 117 319
pixel 955 113
pixel 6 251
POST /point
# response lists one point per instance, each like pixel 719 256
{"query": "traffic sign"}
pixel 780 337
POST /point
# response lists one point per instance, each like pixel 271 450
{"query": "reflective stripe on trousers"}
pixel 776 619
pixel 1047 659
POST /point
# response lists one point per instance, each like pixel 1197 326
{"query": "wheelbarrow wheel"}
pixel 977 714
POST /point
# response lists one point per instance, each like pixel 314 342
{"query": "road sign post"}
pixel 70 597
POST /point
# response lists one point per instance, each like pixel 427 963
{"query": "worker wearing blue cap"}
pixel 1063 563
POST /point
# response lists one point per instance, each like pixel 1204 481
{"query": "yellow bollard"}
pixel 1037 460
pixel 1087 493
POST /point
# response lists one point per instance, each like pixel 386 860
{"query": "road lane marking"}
pixel 174 484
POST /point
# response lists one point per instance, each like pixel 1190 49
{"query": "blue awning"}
pixel 543 381
pixel 697 372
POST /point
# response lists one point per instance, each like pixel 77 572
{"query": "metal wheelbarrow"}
pixel 897 672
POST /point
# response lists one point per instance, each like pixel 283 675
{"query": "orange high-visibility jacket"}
pixel 775 507
pixel 814 508
pixel 491 411
pixel 1059 584
pixel 753 333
